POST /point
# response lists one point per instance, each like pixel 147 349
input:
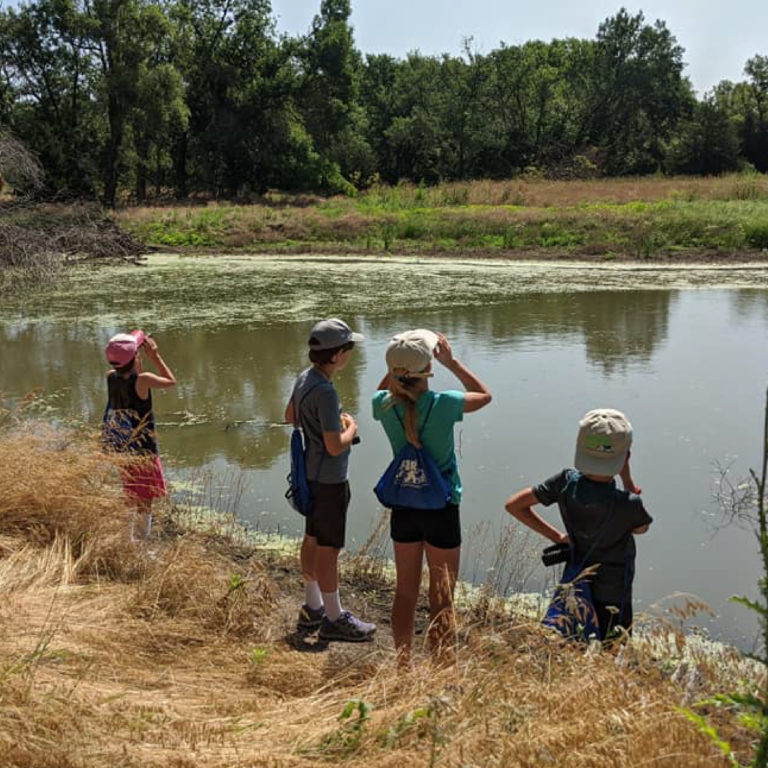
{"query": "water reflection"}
pixel 618 329
pixel 751 303
pixel 234 381
pixel 231 396
pixel 233 389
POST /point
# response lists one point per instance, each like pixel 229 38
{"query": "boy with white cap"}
pixel 129 421
pixel 600 519
pixel 410 412
pixel 328 435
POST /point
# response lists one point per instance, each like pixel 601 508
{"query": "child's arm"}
pixel 146 380
pixel 641 529
pixel 477 395
pixel 337 443
pixel 519 505
pixel 626 478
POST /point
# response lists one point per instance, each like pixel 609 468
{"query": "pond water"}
pixel 681 350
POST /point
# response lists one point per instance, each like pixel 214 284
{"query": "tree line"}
pixel 180 97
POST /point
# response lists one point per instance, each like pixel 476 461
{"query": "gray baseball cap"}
pixel 332 333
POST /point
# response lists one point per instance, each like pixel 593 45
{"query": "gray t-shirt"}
pixel 319 411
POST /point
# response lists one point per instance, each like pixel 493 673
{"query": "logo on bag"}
pixel 410 473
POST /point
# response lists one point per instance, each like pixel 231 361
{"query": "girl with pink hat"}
pixel 129 422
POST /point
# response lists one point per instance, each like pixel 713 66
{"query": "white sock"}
pixel 332 605
pixel 312 595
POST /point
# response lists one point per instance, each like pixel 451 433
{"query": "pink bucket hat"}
pixel 122 348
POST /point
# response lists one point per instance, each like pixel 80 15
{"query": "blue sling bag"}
pixel 413 480
pixel 299 494
pixel 572 610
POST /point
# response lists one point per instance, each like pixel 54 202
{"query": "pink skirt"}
pixel 144 478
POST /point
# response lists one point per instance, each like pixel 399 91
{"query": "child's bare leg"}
pixel 443 571
pixel 307 555
pixel 141 523
pixel 313 597
pixel 408 561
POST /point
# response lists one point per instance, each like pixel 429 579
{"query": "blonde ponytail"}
pixel 401 391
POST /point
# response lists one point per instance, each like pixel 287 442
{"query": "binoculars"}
pixel 557 553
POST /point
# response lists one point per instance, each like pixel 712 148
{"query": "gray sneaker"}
pixel 347 628
pixel 310 618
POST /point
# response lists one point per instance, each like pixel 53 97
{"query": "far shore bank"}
pixel 704 258
pixel 647 219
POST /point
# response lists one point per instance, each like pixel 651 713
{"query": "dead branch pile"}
pixel 30 232
pixel 38 238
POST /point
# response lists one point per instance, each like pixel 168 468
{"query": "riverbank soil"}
pixel 629 219
pixel 184 654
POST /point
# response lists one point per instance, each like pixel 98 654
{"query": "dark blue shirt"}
pixel 593 511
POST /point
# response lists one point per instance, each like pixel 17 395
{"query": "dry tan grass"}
pixel 528 192
pixel 184 659
pixel 547 194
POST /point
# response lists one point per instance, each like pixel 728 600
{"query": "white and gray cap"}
pixel 332 333
pixel 605 436
pixel 410 353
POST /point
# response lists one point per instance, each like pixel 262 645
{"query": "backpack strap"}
pixel 297 412
pixel 297 425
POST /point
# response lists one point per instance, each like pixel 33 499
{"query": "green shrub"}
pixel 756 234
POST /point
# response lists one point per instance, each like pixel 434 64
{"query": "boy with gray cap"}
pixel 328 434
pixel 600 519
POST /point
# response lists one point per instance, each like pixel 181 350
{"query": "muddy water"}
pixel 682 351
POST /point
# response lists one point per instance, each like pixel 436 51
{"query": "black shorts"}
pixel 328 521
pixel 439 527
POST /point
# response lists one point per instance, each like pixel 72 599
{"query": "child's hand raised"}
pixel 626 478
pixel 150 348
pixel 443 351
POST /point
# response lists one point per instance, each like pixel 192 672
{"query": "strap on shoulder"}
pixel 297 412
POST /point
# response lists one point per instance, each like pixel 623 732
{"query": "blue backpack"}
pixel 299 494
pixel 572 610
pixel 413 479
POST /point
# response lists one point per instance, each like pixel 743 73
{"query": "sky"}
pixel 718 36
